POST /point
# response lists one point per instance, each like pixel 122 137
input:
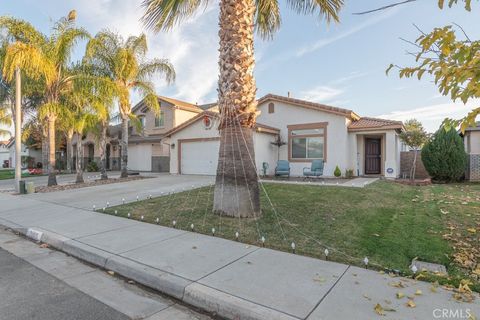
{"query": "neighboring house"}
pixel 4 153
pixel 147 148
pixel 29 156
pixel 471 139
pixel 340 137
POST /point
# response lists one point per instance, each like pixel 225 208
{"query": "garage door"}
pixel 140 157
pixel 199 157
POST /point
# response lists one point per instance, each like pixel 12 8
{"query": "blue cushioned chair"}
pixel 282 168
pixel 315 170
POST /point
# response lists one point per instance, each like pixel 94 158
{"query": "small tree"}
pixel 444 156
pixel 414 137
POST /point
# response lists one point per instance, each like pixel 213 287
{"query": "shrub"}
pixel 444 156
pixel 92 167
pixel 349 173
pixel 337 172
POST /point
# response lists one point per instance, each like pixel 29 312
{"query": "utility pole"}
pixel 18 129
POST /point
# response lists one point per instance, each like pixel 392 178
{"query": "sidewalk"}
pixel 234 280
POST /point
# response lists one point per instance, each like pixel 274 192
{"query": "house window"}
pixel 142 121
pixel 307 142
pixel 271 107
pixel 160 120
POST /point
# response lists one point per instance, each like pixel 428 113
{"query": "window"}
pixel 307 141
pixel 271 107
pixel 142 121
pixel 160 120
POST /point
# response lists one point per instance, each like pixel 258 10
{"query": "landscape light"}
pixel 116 212
pixel 94 207
pixel 123 200
pixel 213 232
pixel 157 220
pixel 141 217
pixel 236 235
pixel 192 227
pixel 326 253
pixel 365 262
pixel 150 197
pixel 108 204
pixel 414 269
pixel 137 198
pixel 293 247
pixel 128 215
pixel 263 241
pixel 103 209
pixel 174 223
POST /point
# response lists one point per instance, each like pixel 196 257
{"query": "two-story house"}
pixel 148 150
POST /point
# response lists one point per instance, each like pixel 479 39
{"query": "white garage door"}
pixel 140 157
pixel 199 157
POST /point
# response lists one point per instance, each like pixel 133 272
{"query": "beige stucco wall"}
pixel 473 142
pixel 337 136
pixel 181 116
pixel 195 130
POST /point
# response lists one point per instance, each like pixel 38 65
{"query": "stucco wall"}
pixel 337 139
pixel 195 130
pixel 473 142
pixel 265 152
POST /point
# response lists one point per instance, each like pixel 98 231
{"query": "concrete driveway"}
pixel 85 198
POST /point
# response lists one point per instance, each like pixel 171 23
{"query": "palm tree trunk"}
pixel 103 155
pixel 124 151
pixel 236 186
pixel 45 148
pixel 52 179
pixel 69 137
pixel 78 165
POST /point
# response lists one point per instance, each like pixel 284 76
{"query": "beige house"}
pixel 309 130
pixel 147 149
pixel 471 140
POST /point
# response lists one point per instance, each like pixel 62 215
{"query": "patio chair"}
pixel 282 168
pixel 315 170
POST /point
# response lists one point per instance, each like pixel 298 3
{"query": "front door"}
pixel 373 155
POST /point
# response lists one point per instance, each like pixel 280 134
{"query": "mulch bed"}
pixel 44 189
pixel 416 182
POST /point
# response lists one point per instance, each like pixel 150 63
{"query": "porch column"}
pixel 391 150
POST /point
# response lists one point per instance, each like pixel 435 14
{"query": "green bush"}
pixel 444 156
pixel 349 173
pixel 337 172
pixel 92 167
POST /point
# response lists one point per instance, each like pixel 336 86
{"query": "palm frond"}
pixel 164 14
pixel 161 66
pixel 325 9
pixel 267 18
pixel 137 45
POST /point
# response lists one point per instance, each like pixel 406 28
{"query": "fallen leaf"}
pixel 411 304
pixel 44 245
pixel 400 295
pixel 111 272
pixel 472 230
pixel 418 292
pixel 398 284
pixel 379 309
pixel 376 235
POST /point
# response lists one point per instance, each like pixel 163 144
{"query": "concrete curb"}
pixel 156 279
pixel 229 306
pixel 192 293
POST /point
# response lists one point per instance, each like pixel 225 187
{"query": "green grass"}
pixel 10 174
pixel 389 223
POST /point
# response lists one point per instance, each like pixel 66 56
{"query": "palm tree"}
pixel 46 59
pixel 236 187
pixel 124 62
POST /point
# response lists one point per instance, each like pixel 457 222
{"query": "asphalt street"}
pixel 27 292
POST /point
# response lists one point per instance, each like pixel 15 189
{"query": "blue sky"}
pixel 339 64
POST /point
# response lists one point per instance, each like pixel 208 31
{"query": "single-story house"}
pixel 340 137
pixel 471 139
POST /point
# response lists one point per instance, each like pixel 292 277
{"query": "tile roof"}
pixel 367 123
pixel 311 105
pixel 178 103
pixel 258 126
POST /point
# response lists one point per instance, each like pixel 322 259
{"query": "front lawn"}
pixel 389 223
pixel 10 174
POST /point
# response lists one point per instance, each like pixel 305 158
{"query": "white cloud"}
pixel 192 46
pixel 321 94
pixel 432 116
pixel 326 41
